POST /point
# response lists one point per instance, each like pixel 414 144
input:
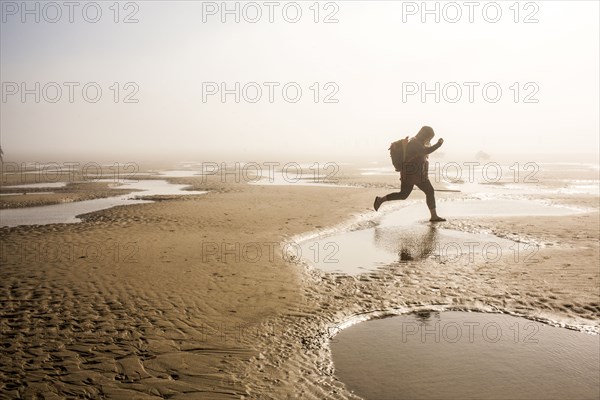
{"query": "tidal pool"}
pixel 37 185
pixel 68 212
pixel 463 355
pixel 407 235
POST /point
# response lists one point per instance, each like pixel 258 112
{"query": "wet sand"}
pixel 40 196
pixel 172 298
pixel 137 192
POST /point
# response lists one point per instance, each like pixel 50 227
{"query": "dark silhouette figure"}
pixel 415 172
pixel 421 247
pixel 414 244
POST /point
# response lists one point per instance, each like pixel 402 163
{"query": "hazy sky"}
pixel 372 61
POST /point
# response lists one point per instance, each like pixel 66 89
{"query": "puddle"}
pixel 299 175
pixel 486 206
pixel 67 212
pixel 590 187
pixel 24 193
pixel 406 235
pixel 280 179
pixel 462 355
pixel 178 173
pixel 360 251
pixel 37 185
pixel 536 179
pixel 152 187
pixel 378 171
pixel 351 252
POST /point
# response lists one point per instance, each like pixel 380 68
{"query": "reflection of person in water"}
pixel 415 172
pixel 425 316
pixel 411 246
pixel 421 247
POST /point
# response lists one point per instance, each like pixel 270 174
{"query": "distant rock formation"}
pixel 482 155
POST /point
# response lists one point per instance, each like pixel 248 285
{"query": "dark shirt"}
pixel 416 167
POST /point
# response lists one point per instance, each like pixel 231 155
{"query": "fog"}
pixel 516 82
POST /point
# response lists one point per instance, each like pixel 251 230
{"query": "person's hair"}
pixel 425 134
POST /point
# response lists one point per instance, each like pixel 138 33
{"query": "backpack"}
pixel 398 153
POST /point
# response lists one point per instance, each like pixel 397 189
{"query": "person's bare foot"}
pixel 437 219
pixel 377 203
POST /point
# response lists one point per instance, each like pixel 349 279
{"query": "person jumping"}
pixel 415 171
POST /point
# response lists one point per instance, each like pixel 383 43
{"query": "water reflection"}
pixel 425 316
pixel 412 244
pixel 402 237
pixel 459 355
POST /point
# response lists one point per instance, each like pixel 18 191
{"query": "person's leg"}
pixel 405 190
pixel 427 188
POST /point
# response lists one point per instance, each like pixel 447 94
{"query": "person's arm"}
pixel 431 149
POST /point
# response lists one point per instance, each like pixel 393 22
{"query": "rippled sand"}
pixel 156 300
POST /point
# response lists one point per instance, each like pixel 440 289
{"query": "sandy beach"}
pixel 256 200
pixel 201 296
